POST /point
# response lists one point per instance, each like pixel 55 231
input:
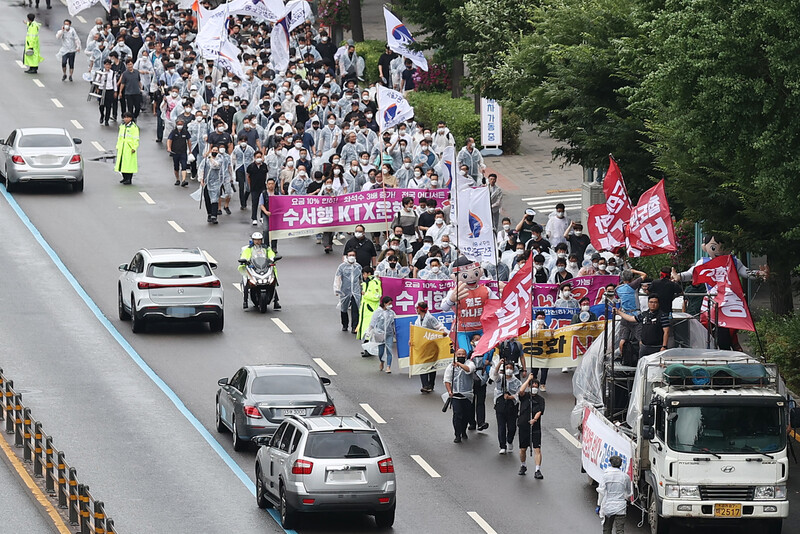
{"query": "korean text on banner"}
pixel 491 123
pixel 720 273
pixel 402 327
pixel 607 221
pixel 599 442
pixel 593 287
pixel 561 347
pixel 558 317
pixel 302 215
pixel 474 219
pixel 650 229
pixel 506 317
pixel 429 350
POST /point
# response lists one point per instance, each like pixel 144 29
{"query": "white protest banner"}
pixel 600 440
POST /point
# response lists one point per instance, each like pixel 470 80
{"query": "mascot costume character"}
pixel 467 298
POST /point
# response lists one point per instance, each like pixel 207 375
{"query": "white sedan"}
pixel 170 284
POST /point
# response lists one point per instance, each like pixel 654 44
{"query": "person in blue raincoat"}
pixel 347 286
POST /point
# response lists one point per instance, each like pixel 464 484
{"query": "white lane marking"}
pixel 176 226
pixel 569 437
pixel 372 413
pixel 425 466
pixel 21 64
pixel 4 47
pixel 555 197
pixel 280 324
pixel 337 242
pixel 76 124
pixel 81 19
pixel 98 146
pixel 38 82
pixel 481 522
pixel 543 208
pixel 238 286
pixel 324 366
pixel 55 102
pixel 209 257
pixel 146 197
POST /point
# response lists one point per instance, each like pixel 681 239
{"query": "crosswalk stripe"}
pixel 555 197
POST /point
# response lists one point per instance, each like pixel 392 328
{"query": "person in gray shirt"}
pixel 130 88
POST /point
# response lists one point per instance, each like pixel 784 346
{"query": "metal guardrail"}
pixel 49 463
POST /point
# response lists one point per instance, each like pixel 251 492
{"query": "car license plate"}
pixel 180 311
pixel 345 476
pixel 727 510
pixel 294 411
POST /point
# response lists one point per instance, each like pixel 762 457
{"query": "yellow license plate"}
pixel 727 510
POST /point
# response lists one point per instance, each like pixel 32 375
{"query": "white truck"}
pixel 704 438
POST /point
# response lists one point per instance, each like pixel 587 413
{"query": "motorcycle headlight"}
pixel 769 493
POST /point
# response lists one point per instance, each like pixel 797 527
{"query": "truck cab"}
pixel 712 445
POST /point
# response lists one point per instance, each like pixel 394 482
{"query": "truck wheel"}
pixel 658 525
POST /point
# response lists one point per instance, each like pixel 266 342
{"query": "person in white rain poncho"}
pixel 347 286
pixel 381 331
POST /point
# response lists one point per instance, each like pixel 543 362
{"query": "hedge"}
pixel 460 116
pixel 780 336
pixel 371 52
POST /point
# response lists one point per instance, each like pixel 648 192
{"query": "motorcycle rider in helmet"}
pixel 257 240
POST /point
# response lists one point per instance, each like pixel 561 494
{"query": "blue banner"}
pixel 403 324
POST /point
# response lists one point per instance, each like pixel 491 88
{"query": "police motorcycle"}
pixel 261 277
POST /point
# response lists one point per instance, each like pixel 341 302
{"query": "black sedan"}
pixel 255 400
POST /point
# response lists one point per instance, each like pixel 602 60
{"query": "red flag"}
pixel 618 204
pixel 506 318
pixel 650 229
pixel 720 273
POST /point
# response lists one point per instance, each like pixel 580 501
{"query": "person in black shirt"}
pixel 666 290
pixel 179 145
pixel 529 424
pixel 315 185
pixel 653 327
pixel 363 247
pixel 226 113
pixel 562 274
pixel 537 239
pixel 540 272
pixel 578 241
pixel 525 225
pixel 384 63
pixel 427 215
pixel 219 137
pixel 256 180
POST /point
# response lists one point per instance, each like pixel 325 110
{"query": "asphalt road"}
pixel 153 468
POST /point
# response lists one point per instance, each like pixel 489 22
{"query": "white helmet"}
pixel 257 235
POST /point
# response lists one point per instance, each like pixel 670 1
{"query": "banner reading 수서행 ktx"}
pixel 303 215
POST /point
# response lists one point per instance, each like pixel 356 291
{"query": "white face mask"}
pixel 364 161
pixel 222 150
pixel 329 186
pixel 290 164
pixel 259 160
pixel 509 372
pixel 506 227
pixel 538 266
pixel 435 269
pixel 351 259
pixel 337 172
pixel 573 264
pixel 584 308
pixel 594 264
pixel 560 214
pixel 534 391
pixel 578 233
pixel 407 165
pixel 434 183
pixel 331 122
pixel 220 129
pixel 445 245
pixel 602 266
pixel 359 235
pixel 199 118
pixel 566 294
pixel 417 174
pixel 612 269
pixel 439 222
pixel 187 110
pixel 179 127
pixel 562 254
pixel 462 173
pixel 540 323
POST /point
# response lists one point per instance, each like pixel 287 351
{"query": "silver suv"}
pixel 325 464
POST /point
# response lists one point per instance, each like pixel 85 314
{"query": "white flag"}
pixel 446 168
pixel 76 6
pixel 399 38
pixel 229 59
pixel 279 46
pixel 297 12
pixel 393 108
pixel 474 219
pixel 270 10
pixel 212 30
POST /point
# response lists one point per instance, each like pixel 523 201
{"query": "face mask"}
pixel 584 308
pixel 445 245
pixel 594 264
pixel 539 266
pixel 462 173
pixel 395 247
pixel 324 39
pixel 439 222
pixel 290 164
pixel 222 150
pixel 435 269
pixel 328 186
pixel 509 372
pixel 174 95
pixel 388 306
pixel 409 209
pixel 359 235
pixel 434 183
pixel 566 294
pixel 561 268
pixel 364 161
pixel 393 264
pixel 248 126
pixel 214 154
pixel 506 227
pixel 351 259
pixel 282 121
pixel 220 129
pixel 417 173
pixel 172 71
pixel 562 254
pixel 209 85
pixel 461 359
pixel 298 145
pixel 540 323
pixel 259 160
pixel 612 269
pixel 441 131
pixel 425 149
pixel 573 264
pixel 534 391
pixel 560 214
pixel 243 144
pixel 179 127
pixel 578 233
pixel 199 118
pixel 401 132
pixel 602 267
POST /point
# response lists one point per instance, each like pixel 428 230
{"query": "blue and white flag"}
pixel 398 38
pixel 446 168
pixel 279 45
pixel 393 108
pixel 297 12
pixel 474 219
pixel 212 30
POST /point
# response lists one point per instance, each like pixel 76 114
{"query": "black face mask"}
pixel 461 359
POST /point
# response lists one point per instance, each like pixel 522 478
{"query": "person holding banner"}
pixel 584 315
pixel 540 323
pixel 429 321
pixel 458 383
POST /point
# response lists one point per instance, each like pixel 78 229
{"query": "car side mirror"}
pixel 222 382
pixel 647 415
pixel 212 265
pixel 2 141
pixel 123 267
pixel 648 432
pixel 262 440
pixel 325 381
pixel 76 140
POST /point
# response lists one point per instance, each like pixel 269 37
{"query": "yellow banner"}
pixel 560 347
pixel 429 350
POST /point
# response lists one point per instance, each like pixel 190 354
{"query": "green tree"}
pixel 721 95
pixel 571 76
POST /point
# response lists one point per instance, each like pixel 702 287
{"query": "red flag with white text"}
pixel 618 204
pixel 720 273
pixel 650 230
pixel 508 316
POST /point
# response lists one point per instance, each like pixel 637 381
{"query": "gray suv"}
pixel 325 464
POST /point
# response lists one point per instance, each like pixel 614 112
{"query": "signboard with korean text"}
pixel 599 442
pixel 561 347
pixel 491 123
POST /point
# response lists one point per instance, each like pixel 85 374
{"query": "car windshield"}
pixel 44 140
pixel 727 429
pixel 179 270
pixel 344 444
pixel 283 384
